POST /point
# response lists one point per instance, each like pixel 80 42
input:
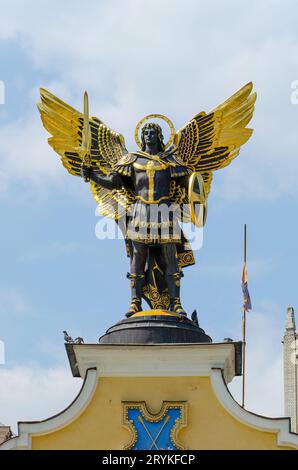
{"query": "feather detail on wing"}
pixel 66 125
pixel 107 148
pixel 211 141
pixel 113 204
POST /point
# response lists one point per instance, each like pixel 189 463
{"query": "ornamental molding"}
pixel 176 360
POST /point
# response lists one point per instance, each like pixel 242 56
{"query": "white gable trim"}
pixel 26 430
pixel 279 425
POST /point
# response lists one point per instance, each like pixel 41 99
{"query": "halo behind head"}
pixel 157 127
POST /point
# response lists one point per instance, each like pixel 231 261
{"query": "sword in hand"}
pixel 85 149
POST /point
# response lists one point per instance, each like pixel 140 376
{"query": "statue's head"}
pixel 152 135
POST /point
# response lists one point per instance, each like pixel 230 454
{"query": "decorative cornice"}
pixel 159 360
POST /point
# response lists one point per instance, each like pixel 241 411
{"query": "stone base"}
pixel 155 327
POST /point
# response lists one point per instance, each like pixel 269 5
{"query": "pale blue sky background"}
pixel 134 58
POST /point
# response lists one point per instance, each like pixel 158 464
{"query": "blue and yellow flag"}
pixel 246 297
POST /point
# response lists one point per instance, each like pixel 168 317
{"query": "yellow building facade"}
pixel 185 383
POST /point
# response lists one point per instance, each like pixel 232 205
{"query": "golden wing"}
pixel 211 141
pixel 66 125
pixel 113 204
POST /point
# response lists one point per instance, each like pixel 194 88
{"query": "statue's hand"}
pixel 86 173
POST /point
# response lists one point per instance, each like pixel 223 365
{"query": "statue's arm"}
pixel 110 181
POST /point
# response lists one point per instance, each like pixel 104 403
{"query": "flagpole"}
pixel 244 333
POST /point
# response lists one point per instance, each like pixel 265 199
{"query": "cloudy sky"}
pixel 137 57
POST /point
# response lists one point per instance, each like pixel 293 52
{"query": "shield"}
pixel 154 431
pixel 197 200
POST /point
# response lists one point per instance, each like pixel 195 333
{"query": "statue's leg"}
pixel 137 277
pixel 173 276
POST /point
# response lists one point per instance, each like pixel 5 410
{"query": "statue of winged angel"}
pixel 148 192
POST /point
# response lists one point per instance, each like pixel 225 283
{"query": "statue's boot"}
pixel 136 284
pixel 173 282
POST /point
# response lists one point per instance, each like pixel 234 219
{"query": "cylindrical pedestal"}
pixel 155 327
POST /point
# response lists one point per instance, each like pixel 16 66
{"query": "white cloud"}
pixel 14 302
pixel 264 379
pixel 257 267
pixel 2 92
pixel 55 249
pixel 26 157
pixel 30 393
pixel 174 57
